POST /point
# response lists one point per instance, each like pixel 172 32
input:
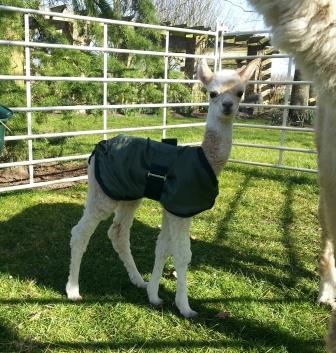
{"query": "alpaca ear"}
pixel 246 72
pixel 203 72
pixel 240 69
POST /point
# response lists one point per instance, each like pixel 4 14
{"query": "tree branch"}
pixel 236 5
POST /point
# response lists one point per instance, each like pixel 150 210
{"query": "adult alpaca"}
pixel 225 89
pixel 307 30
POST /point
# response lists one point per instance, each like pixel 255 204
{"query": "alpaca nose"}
pixel 227 106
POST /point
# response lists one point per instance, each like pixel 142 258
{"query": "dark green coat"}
pixel 181 178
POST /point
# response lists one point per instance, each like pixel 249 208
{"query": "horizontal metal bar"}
pixel 42 184
pixel 145 128
pixel 130 79
pixel 269 147
pixel 86 156
pixel 271 127
pixel 44 161
pixel 274 166
pixel 110 106
pixel 279 148
pixel 99 132
pixel 81 178
pixel 105 20
pixel 275 82
pixel 246 57
pixel 157 105
pixel 238 33
pixel 102 49
pixel 93 79
pixel 280 106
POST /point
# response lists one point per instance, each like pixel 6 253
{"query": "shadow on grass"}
pixel 294 267
pixel 227 257
pixel 38 241
pixel 292 346
pixel 34 245
pixel 223 224
pixel 247 334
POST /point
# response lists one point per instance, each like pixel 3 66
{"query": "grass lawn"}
pixel 254 259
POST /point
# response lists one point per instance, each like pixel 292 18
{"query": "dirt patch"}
pixel 20 175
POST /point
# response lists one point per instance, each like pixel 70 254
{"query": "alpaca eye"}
pixel 213 94
pixel 240 94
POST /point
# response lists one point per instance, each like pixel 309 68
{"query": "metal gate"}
pixel 216 58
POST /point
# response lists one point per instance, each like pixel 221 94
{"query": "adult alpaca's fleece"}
pixel 307 30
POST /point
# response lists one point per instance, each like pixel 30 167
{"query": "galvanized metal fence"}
pixel 216 58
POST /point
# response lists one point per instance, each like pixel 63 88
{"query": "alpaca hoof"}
pixel 156 301
pixel 142 284
pixel 73 293
pixel 138 282
pixel 326 300
pixel 326 295
pixel 190 314
pixel 75 298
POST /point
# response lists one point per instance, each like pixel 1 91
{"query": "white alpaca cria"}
pixel 307 30
pixel 225 88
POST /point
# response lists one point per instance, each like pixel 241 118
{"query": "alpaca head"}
pixel 225 88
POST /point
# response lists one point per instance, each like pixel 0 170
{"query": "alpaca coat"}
pixel 180 178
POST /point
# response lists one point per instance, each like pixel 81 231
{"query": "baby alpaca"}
pixel 307 30
pixel 225 89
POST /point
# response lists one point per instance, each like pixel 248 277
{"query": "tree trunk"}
pixel 299 96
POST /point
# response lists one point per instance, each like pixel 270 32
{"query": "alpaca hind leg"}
pixel 327 259
pixel 81 234
pixel 161 254
pixel 119 233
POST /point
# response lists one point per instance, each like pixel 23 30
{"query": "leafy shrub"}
pixel 180 93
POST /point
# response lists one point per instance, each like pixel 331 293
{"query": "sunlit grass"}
pixel 254 257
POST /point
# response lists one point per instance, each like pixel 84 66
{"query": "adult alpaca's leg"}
pixel 119 233
pixel 326 145
pixel 331 337
pixel 327 260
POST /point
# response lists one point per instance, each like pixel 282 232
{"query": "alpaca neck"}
pixel 217 143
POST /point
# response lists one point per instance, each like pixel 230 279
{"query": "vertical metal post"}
pixel 221 48
pixel 288 91
pixel 165 86
pixel 216 47
pixel 105 44
pixel 29 100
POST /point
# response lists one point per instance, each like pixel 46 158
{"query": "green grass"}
pixel 254 256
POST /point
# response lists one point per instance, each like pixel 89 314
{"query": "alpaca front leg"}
pixel 182 257
pixel 81 234
pixel 328 274
pixel 161 254
pixel 119 233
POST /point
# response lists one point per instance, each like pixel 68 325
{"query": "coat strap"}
pixel 156 178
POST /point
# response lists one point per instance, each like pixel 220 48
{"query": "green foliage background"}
pixel 67 63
